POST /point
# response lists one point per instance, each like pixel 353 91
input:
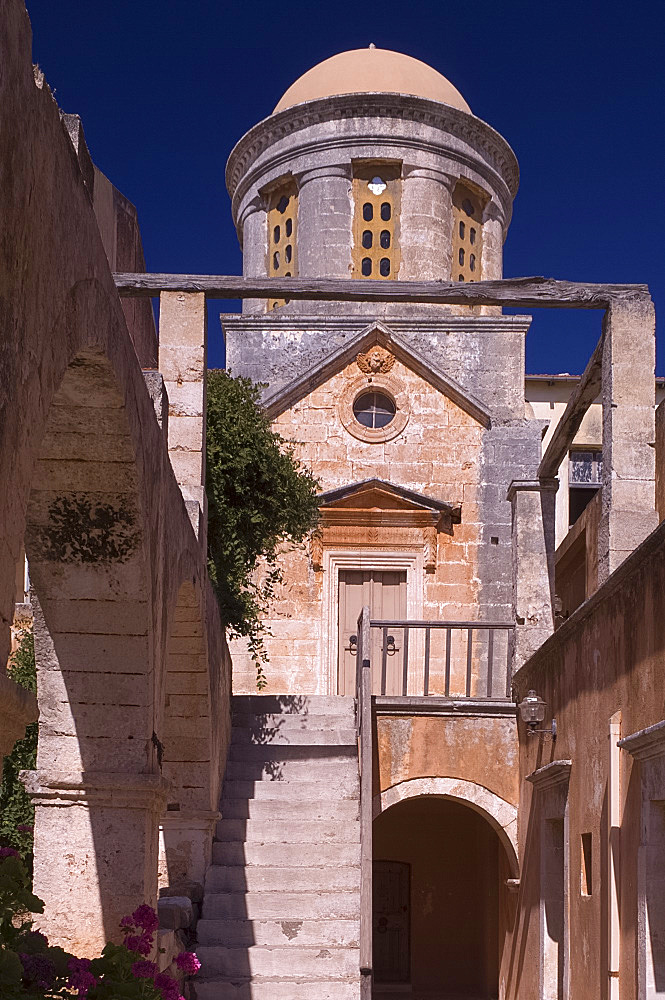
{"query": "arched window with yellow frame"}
pixel 282 247
pixel 376 207
pixel 468 209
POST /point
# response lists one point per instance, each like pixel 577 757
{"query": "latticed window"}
pixel 282 221
pixel 467 234
pixel 376 200
pixel 585 477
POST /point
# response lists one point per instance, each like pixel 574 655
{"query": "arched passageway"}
pixel 440 901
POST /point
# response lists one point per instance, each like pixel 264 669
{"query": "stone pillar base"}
pixel 95 852
pixel 185 846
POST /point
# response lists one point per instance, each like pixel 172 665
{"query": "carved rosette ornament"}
pixel 376 361
pixel 429 545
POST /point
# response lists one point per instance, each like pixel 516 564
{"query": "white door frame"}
pixel 334 560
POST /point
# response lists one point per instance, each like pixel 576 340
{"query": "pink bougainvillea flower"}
pixel 38 970
pixel 81 979
pixel 169 988
pixel 9 852
pixel 144 969
pixel 140 943
pixel 127 921
pixel 144 916
pixel 188 962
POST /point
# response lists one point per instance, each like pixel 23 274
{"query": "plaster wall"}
pixel 606 658
pixel 475 748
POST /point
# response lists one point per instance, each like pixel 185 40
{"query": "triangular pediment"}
pixel 364 501
pixel 337 360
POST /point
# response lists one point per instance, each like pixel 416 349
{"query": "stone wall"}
pixel 602 679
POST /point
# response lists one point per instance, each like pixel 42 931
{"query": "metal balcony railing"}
pixel 451 659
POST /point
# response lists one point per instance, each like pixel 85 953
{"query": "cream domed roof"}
pixel 372 71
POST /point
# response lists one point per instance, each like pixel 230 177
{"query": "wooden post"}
pixel 364 709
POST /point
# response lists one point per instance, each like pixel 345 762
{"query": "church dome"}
pixel 372 71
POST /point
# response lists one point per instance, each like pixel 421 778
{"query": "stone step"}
pixel 285 855
pixel 274 753
pixel 339 770
pixel 278 989
pixel 334 736
pixel 294 831
pixel 296 791
pixel 281 905
pixel 292 704
pixel 274 722
pixel 300 963
pixel 285 808
pixel 252 878
pixel 301 933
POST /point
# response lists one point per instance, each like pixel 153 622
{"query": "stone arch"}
pixel 501 815
pixel 97 776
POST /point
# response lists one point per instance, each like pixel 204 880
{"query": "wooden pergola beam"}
pixel 529 293
pixel 584 394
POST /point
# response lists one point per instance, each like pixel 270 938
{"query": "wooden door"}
pixel 391 920
pixel 384 591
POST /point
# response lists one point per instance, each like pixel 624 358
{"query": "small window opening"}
pixel 384 267
pixel 366 267
pixel 462 230
pixel 368 211
pixel 385 211
pixel 587 864
pixel 287 274
pixel 461 256
pixel 472 234
pixel 288 253
pixel 467 207
pixel 385 239
pixel 367 239
pixel 374 409
pixel 283 204
pixel 377 185
pixel 460 277
pixel 275 260
pixel 472 262
pixel 276 234
pixel 289 226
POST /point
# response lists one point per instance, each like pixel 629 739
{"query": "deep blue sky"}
pixel 165 89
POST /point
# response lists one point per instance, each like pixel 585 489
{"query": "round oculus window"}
pixel 374 409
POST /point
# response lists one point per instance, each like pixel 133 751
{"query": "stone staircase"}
pixel 280 914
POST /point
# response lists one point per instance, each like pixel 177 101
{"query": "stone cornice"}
pixel 532 486
pixel 448 323
pixel 646 743
pixel 88 788
pixel 557 772
pixel 463 126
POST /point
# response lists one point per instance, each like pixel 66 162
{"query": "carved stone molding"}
pixel 375 361
pixel 402 107
pixel 393 388
pixel 429 548
pixel 647 743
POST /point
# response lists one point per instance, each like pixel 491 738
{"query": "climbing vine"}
pixel 16 810
pixel 260 498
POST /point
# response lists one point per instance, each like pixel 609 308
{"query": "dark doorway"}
pixel 453 860
pixel 391 884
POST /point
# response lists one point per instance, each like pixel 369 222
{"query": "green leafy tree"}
pixel 260 498
pixel 16 810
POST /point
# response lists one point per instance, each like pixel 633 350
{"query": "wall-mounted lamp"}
pixel 532 711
